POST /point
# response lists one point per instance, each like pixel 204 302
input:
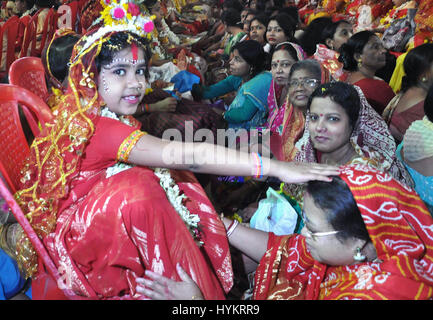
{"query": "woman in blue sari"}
pixel 250 80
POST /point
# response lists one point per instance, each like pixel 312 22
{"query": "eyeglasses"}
pixel 314 235
pixel 306 83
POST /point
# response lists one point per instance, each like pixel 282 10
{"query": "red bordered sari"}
pixel 399 226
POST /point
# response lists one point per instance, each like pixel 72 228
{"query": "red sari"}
pixel 377 92
pixel 399 226
pixel 110 230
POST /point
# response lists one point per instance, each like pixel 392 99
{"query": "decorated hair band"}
pixel 118 16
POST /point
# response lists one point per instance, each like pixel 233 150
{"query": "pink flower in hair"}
pixel 148 26
pixel 118 13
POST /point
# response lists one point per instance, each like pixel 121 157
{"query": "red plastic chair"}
pixel 13 150
pixel 45 284
pixel 29 73
pixel 28 35
pixel 37 43
pixel 22 25
pixel 13 144
pixel 8 37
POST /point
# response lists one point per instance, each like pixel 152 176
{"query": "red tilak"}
pixel 134 50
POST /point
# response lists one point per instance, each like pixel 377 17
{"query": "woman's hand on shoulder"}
pixel 163 288
pixel 169 104
pixel 300 172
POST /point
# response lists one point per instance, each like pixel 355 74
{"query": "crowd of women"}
pixel 321 187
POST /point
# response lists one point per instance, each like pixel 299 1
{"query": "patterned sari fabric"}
pixel 102 220
pixel 328 58
pixel 286 124
pixel 399 226
pixel 424 19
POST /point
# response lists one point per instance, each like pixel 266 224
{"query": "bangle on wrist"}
pixel 259 165
pixel 232 227
pixel 146 107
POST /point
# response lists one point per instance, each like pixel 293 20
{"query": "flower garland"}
pixel 176 199
pixel 167 183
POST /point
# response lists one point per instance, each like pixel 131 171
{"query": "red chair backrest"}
pixel 13 144
pixel 8 36
pixel 13 151
pixel 28 36
pixel 22 25
pixel 46 282
pixel 29 73
pixel 49 27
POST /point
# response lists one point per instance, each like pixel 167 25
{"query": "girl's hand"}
pixel 162 288
pixel 299 172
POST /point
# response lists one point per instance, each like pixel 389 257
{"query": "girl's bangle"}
pixel 146 107
pixel 259 165
pixel 232 227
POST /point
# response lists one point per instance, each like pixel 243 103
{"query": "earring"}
pixel 358 256
pixel 424 79
pixel 359 64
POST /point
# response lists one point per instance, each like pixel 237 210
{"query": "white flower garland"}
pixel 165 180
pixel 176 199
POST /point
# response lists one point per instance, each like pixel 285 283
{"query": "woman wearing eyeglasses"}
pixel 285 122
pixel 365 236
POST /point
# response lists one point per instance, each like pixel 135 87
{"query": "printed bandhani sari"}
pixel 399 226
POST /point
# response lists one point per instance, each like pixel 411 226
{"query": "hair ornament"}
pixel 119 16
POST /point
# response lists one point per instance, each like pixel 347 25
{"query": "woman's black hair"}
pixel 293 12
pixel 313 34
pixel 428 104
pixel 235 4
pixel 355 44
pixel 45 3
pixel 286 47
pixel 287 24
pixel 231 17
pixel 329 31
pixel 309 65
pixel 252 52
pixel 417 62
pixel 59 54
pixel 343 94
pixel 342 212
pixel 29 3
pixel 261 5
pixel 118 42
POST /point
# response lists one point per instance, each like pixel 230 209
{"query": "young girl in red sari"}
pixel 94 190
